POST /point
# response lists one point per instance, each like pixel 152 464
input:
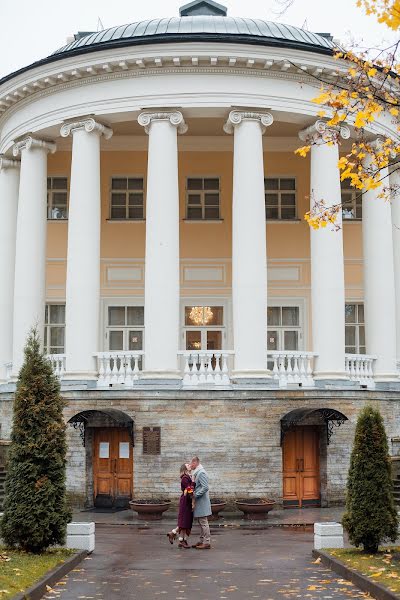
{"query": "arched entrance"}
pixel 108 436
pixel 305 435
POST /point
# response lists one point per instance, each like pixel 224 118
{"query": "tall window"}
pixel 355 328
pixel 54 329
pixel 204 327
pixel 125 328
pixel 280 198
pixel 351 201
pixel 57 198
pixel 283 329
pixel 203 198
pixel 127 198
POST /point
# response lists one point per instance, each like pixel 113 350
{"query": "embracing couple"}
pixel 194 503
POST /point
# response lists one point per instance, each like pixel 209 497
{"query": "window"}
pixel 57 198
pixel 283 328
pixel 280 198
pixel 54 329
pixel 202 198
pixel 125 328
pixel 351 201
pixel 127 198
pixel 355 329
pixel 204 327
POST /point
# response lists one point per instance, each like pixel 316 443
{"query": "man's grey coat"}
pixel 202 507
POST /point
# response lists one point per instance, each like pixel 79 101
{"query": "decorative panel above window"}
pixel 203 198
pixel 280 198
pixel 351 201
pixel 57 198
pixel 127 198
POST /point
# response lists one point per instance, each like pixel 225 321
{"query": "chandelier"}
pixel 201 315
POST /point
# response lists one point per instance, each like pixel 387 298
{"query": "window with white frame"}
pixel 355 328
pixel 351 201
pixel 127 198
pixel 57 198
pixel 284 328
pixel 125 328
pixel 204 327
pixel 203 198
pixel 280 198
pixel 54 329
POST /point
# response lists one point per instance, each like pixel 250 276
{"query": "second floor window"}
pixel 351 201
pixel 57 198
pixel 125 328
pixel 202 198
pixel 355 329
pixel 127 198
pixel 280 198
pixel 54 329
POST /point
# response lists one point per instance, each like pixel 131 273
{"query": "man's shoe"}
pixel 197 545
pixel 203 547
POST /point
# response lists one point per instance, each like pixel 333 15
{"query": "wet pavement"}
pixel 139 564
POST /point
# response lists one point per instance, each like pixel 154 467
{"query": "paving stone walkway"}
pixel 139 564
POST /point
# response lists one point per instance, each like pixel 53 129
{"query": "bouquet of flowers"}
pixel 189 491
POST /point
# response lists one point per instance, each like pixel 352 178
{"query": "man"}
pixel 202 504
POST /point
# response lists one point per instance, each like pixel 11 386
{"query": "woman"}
pixel 185 516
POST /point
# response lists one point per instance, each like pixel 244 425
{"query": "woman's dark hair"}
pixel 183 469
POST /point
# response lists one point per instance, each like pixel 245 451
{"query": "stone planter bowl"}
pixel 148 510
pixel 217 506
pixel 256 508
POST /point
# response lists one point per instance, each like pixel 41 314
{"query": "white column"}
pixel 9 184
pixel 395 186
pixel 30 255
pixel 379 289
pixel 249 248
pixel 327 266
pixel 161 313
pixel 83 254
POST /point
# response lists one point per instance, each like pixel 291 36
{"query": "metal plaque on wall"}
pixel 151 440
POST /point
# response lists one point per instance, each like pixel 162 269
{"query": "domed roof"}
pixel 204 27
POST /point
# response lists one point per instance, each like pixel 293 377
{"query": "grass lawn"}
pixel 381 567
pixel 19 570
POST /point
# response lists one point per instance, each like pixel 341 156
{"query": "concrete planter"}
pixel 255 509
pixel 217 506
pixel 81 536
pixel 148 510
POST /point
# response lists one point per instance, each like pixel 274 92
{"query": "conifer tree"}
pixel 35 509
pixel 371 516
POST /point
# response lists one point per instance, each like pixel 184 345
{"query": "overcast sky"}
pixel 33 29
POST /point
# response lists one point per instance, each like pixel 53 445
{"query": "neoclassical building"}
pixel 152 229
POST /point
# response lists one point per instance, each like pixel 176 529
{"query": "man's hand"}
pixel 193 503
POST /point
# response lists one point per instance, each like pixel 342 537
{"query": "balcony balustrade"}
pixel 119 368
pixel 292 367
pixel 360 367
pixel 206 367
pixel 58 363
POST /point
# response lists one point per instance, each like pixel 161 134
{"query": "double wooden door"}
pixel 301 477
pixel 112 467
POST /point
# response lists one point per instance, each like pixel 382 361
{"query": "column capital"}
pixel 320 132
pixel 265 119
pixel 176 119
pixel 88 125
pixel 8 163
pixel 31 142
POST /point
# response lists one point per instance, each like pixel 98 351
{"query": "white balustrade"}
pixel 58 363
pixel 360 367
pixel 8 367
pixel 119 368
pixel 294 367
pixel 206 367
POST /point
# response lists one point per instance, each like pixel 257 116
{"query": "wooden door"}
pixel 301 480
pixel 112 467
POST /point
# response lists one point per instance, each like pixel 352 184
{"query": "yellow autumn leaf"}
pixel 371 72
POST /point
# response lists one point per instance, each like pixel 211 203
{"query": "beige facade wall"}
pixel 205 247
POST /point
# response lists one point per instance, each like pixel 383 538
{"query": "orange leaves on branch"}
pixel 386 11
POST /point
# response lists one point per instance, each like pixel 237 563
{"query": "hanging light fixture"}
pixel 201 315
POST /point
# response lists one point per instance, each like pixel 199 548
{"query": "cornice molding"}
pixel 145 119
pixel 8 163
pixel 265 119
pixel 30 142
pixel 89 125
pixel 321 132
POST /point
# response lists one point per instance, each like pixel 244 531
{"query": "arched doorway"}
pixel 108 436
pixel 305 435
